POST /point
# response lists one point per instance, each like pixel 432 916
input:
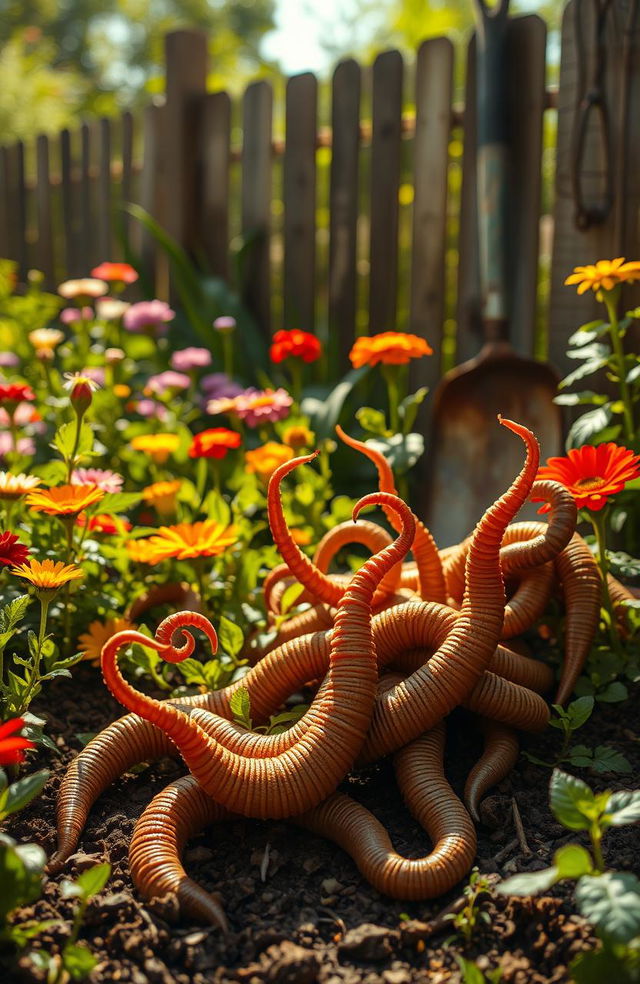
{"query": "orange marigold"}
pixel 90 643
pixel 47 576
pixel 64 500
pixel 264 461
pixel 185 541
pixel 592 474
pixel 603 275
pixel 392 348
pixel 162 495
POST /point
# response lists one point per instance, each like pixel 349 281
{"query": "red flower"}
pixel 592 475
pixel 12 748
pixel 104 523
pixel 121 273
pixel 214 443
pixel 301 344
pixel 13 393
pixel 12 552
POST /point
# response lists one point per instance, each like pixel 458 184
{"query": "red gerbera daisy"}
pixel 214 443
pixel 592 474
pixel 301 344
pixel 12 552
pixel 12 746
pixel 14 393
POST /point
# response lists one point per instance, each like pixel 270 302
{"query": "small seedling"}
pixel 466 920
pixel 471 973
pixel 567 720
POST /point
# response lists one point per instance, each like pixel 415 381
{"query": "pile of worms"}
pixel 391 650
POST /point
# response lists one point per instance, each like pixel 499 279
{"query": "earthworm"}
pixel 529 600
pixel 431 584
pixel 369 535
pixel 582 588
pixel 277 786
pixel 430 693
pixel 173 593
pixel 275 584
pixel 177 813
pixel 500 754
pixel 619 593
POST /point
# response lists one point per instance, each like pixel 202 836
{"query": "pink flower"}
pixel 149 408
pixel 23 415
pixel 105 479
pixel 190 358
pixel 68 315
pixel 258 407
pixel 148 316
pixel 25 445
pixel 163 382
pixel 9 360
pixel 225 324
pixel 96 373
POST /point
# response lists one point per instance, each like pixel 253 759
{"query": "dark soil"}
pixel 307 915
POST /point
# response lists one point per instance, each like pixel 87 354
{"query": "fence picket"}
pixel 299 195
pixel 343 206
pixel 104 195
pixel 126 182
pixel 385 181
pixel 44 249
pixel 86 232
pixel 256 202
pixel 215 152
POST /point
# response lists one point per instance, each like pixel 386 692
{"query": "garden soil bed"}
pixel 298 909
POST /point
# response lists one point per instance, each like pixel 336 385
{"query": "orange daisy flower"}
pixel 141 552
pixel 158 446
pixel 90 643
pixel 64 500
pixel 115 273
pixel 264 461
pixel 603 275
pixel 162 495
pixel 392 348
pixel 48 575
pixel 185 541
pixel 592 474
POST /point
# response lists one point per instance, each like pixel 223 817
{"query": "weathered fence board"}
pixel 256 202
pixel 44 251
pixel 104 197
pixel 215 161
pixel 299 197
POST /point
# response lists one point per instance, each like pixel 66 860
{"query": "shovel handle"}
pixel 492 165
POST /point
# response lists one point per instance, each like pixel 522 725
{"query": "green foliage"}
pixel 467 919
pixel 19 794
pixel 21 871
pixel 471 973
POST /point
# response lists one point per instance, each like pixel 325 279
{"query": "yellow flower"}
pixel 185 541
pixel 47 576
pixel 141 552
pixel 158 446
pixel 15 486
pixel 298 436
pixel 162 495
pixel 122 391
pixel 85 289
pixel 90 643
pixel 64 500
pixel 603 275
pixel 264 461
pixel 45 339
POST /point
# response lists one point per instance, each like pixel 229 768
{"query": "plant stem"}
pixel 610 298
pixel 76 442
pixel 295 371
pixel 34 679
pixel 596 840
pixel 227 354
pixel 390 374
pixel 598 522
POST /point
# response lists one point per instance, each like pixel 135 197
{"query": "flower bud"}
pixel 225 324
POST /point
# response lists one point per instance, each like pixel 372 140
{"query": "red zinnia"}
pixel 15 392
pixel 214 443
pixel 301 344
pixel 104 523
pixel 12 552
pixel 12 746
pixel 122 273
pixel 592 474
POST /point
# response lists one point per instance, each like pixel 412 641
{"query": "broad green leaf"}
pixel 373 421
pixel 25 931
pixel 604 965
pixel 606 759
pixel 623 808
pixel 611 902
pixel 117 502
pixel 579 711
pixel 217 508
pixel 586 427
pixel 231 636
pixel 471 973
pixel 529 883
pixel 410 406
pixel 401 450
pixel 20 793
pixel 21 870
pixel 13 613
pixel 240 705
pixel 613 693
pixel 573 861
pixel 326 414
pixel 587 333
pixel 586 369
pixel 290 596
pixel 93 880
pixel 577 399
pixel 571 800
pixel 78 960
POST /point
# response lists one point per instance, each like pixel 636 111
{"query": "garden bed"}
pixel 298 909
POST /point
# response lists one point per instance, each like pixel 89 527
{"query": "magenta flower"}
pixel 148 317
pixel 258 407
pixel 9 360
pixel 225 324
pixel 105 479
pixel 68 315
pixel 190 358
pixel 150 408
pixel 96 373
pixel 166 381
pixel 218 385
pixel 23 414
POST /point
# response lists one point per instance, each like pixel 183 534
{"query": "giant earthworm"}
pixel 277 786
pixel 500 754
pixel 582 588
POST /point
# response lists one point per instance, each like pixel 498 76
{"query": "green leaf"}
pixel 325 414
pixel 586 427
pixel 606 759
pixel 569 798
pixel 13 613
pixel 576 399
pixel 373 421
pixel 587 369
pixel 573 861
pixel 231 636
pixel 579 711
pixel 529 883
pixel 623 808
pixel 613 693
pixel 65 436
pixel 216 507
pixel 634 374
pixel 597 966
pixel 20 793
pixel 93 880
pixel 401 450
pixel 25 931
pixel 21 870
pixel 290 596
pixel 587 333
pixel 240 705
pixel 409 407
pixel 117 502
pixel 78 960
pixel 611 902
pixel 471 973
